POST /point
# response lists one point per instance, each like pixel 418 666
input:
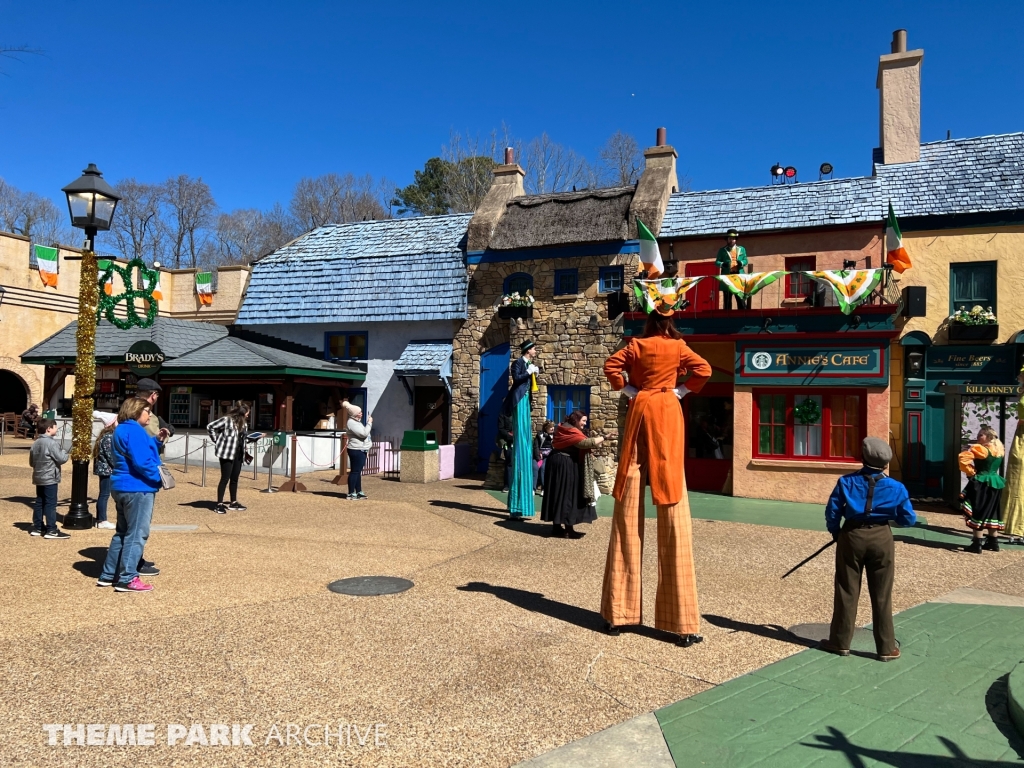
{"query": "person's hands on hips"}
pixel 630 391
pixel 681 391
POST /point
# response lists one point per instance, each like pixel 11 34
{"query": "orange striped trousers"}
pixel 675 606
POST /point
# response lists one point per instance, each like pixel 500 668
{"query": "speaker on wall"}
pixel 915 299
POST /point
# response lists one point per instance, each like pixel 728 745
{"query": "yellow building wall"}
pixel 31 312
pixel 933 252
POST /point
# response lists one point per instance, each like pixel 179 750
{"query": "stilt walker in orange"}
pixel 652 452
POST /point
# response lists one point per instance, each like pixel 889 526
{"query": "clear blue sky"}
pixel 254 95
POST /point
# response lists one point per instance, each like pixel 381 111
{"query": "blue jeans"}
pixel 101 500
pixel 538 472
pixel 356 460
pixel 45 508
pixel 134 515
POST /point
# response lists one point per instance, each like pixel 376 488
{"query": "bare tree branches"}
pixel 191 209
pixel 621 159
pixel 245 235
pixel 336 199
pixel 552 167
pixel 137 227
pixel 34 216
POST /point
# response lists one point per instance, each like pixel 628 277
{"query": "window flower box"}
pixel 511 312
pixel 961 332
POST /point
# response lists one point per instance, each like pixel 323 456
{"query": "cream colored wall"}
pixel 931 254
pixel 30 312
pixel 806 481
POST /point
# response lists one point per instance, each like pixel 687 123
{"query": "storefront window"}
pixel 793 423
pixel 349 345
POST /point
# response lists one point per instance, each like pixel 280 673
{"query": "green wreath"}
pixel 129 295
pixel 808 412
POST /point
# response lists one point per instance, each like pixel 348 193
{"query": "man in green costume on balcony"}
pixel 731 260
pixel 518 405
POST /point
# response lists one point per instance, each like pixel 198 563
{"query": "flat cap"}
pixel 875 453
pixel 148 385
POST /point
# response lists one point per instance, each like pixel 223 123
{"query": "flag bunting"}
pixel 746 286
pixel 664 296
pixel 852 287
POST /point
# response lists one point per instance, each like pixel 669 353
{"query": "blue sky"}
pixel 253 96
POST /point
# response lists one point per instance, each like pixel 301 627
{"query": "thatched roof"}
pixel 564 218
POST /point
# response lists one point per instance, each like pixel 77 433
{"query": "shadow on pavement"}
pixel 28 501
pixel 571 614
pixel 26 527
pixel 836 741
pixel 94 564
pixel 997 704
pixel 771 631
pixel 201 504
pixel 476 510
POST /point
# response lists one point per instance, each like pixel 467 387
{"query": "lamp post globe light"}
pixel 91 203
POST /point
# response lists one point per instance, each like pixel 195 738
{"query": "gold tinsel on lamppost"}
pixel 85 359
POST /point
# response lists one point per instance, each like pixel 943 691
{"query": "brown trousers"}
pixel 675 606
pixel 867 549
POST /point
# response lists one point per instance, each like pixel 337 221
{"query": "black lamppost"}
pixel 91 202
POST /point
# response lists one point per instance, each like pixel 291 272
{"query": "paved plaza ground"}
pixel 495 656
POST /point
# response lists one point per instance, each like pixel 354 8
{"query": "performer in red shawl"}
pixel 569 478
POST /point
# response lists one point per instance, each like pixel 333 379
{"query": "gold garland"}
pixel 85 360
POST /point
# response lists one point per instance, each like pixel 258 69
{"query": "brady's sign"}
pixel 867 363
pixel 144 358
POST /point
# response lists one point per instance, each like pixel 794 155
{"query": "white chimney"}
pixel 899 99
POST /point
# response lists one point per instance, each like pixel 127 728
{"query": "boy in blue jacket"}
pixel 867 501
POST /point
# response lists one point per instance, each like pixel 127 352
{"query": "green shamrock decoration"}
pixel 129 295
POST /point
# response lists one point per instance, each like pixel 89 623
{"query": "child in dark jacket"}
pixel 45 458
pixel 103 468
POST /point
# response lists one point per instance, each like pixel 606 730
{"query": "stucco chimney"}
pixel 658 181
pixel 508 183
pixel 899 100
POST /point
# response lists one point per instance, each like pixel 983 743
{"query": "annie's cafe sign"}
pixel 144 358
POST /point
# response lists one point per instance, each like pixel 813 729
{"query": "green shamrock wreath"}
pixel 808 412
pixel 130 294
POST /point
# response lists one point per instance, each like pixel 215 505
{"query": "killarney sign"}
pixel 144 358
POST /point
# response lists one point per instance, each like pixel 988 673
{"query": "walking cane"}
pixel 806 560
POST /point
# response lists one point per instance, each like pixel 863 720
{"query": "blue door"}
pixel 493 388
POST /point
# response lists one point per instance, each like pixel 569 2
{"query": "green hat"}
pixel 526 346
pixel 732 233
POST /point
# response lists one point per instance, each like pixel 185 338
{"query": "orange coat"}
pixel 655 365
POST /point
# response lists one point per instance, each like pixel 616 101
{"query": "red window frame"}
pixel 851 427
pixel 799 286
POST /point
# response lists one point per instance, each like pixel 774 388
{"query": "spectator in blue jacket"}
pixel 866 501
pixel 134 485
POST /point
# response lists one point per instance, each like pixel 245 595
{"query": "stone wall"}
pixel 570 351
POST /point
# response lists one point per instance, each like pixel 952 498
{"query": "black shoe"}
pixel 687 640
pixel 975 547
pixel 55 534
pixel 571 534
pixel 149 570
pixel 610 629
pixel 361 495
pixel 991 544
pixel 220 509
pixel 36 532
pixel 234 506
pixel 558 532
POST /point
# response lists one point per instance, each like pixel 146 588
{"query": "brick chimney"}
pixel 508 183
pixel 656 184
pixel 899 99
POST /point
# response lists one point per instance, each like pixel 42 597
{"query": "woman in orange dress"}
pixel 652 451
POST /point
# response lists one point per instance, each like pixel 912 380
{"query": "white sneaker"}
pixel 106 525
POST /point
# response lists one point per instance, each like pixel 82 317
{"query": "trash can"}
pixel 419 457
pixel 280 439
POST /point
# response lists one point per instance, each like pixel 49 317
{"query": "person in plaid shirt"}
pixel 228 435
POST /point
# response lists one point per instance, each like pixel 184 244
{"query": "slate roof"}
pixel 370 271
pixel 174 337
pixel 958 176
pixel 424 358
pixel 232 352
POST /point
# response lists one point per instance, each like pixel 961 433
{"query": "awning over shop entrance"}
pixel 425 358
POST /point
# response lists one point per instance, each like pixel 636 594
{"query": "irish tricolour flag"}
pixel 895 253
pixel 104 266
pixel 650 256
pixel 204 288
pixel 157 293
pixel 46 258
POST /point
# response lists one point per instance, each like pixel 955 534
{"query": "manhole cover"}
pixel 368 586
pixel 863 639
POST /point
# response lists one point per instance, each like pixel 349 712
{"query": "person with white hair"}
pixel 359 444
